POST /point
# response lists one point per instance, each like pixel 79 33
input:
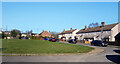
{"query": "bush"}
pixel 36 37
pixel 45 37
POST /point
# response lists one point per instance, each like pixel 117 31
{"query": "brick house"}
pixel 103 32
pixel 45 34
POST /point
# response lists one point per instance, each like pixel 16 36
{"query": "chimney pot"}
pixel 103 23
pixel 71 29
pixel 85 27
pixel 64 30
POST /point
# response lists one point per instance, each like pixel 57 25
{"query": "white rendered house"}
pixel 65 35
pixel 103 32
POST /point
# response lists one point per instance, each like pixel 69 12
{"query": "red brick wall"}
pixel 46 33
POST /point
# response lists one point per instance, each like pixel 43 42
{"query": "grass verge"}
pixel 15 46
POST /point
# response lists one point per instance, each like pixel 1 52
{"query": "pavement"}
pixel 110 54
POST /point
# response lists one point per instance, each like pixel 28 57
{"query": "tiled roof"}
pixel 99 28
pixel 67 32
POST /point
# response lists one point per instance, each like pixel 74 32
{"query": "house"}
pixel 34 34
pixel 103 32
pixel 117 39
pixel 65 35
pixel 7 32
pixel 24 35
pixel 45 34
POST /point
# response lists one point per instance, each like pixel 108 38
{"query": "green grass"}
pixel 41 47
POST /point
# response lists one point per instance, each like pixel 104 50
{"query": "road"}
pixel 109 55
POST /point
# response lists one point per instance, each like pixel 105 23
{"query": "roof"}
pixel 96 29
pixel 6 31
pixel 43 32
pixel 67 32
pixel 34 33
pixel 24 33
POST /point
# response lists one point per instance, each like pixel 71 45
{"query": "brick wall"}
pixel 46 34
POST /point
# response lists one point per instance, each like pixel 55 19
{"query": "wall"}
pixel 93 35
pixel 114 32
pixel 73 34
pixel 59 36
pixel 46 33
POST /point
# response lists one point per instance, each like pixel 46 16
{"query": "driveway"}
pixel 109 55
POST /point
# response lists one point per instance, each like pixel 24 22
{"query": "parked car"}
pixel 98 43
pixel 24 38
pixel 50 39
pixel 53 39
pixel 57 40
pixel 46 38
pixel 72 41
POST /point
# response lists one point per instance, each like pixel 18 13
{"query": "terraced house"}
pixel 65 35
pixel 103 32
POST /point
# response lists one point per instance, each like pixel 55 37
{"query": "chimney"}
pixel 64 30
pixel 85 27
pixel 71 29
pixel 103 23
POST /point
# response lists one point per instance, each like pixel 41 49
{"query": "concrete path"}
pixel 109 55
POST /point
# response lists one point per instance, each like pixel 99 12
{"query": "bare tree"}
pixel 29 33
pixel 55 34
pixel 93 25
pixel 15 32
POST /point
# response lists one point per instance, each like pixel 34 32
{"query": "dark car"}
pixel 98 43
pixel 53 39
pixel 57 40
pixel 72 41
pixel 46 38
pixel 50 39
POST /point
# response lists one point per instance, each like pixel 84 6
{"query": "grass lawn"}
pixel 41 47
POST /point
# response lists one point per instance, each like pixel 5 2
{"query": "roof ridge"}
pixel 105 25
pixel 93 29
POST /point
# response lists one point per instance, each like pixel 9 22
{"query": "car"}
pixel 99 43
pixel 46 38
pixel 57 40
pixel 72 41
pixel 52 39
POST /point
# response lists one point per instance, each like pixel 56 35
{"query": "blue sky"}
pixel 56 16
